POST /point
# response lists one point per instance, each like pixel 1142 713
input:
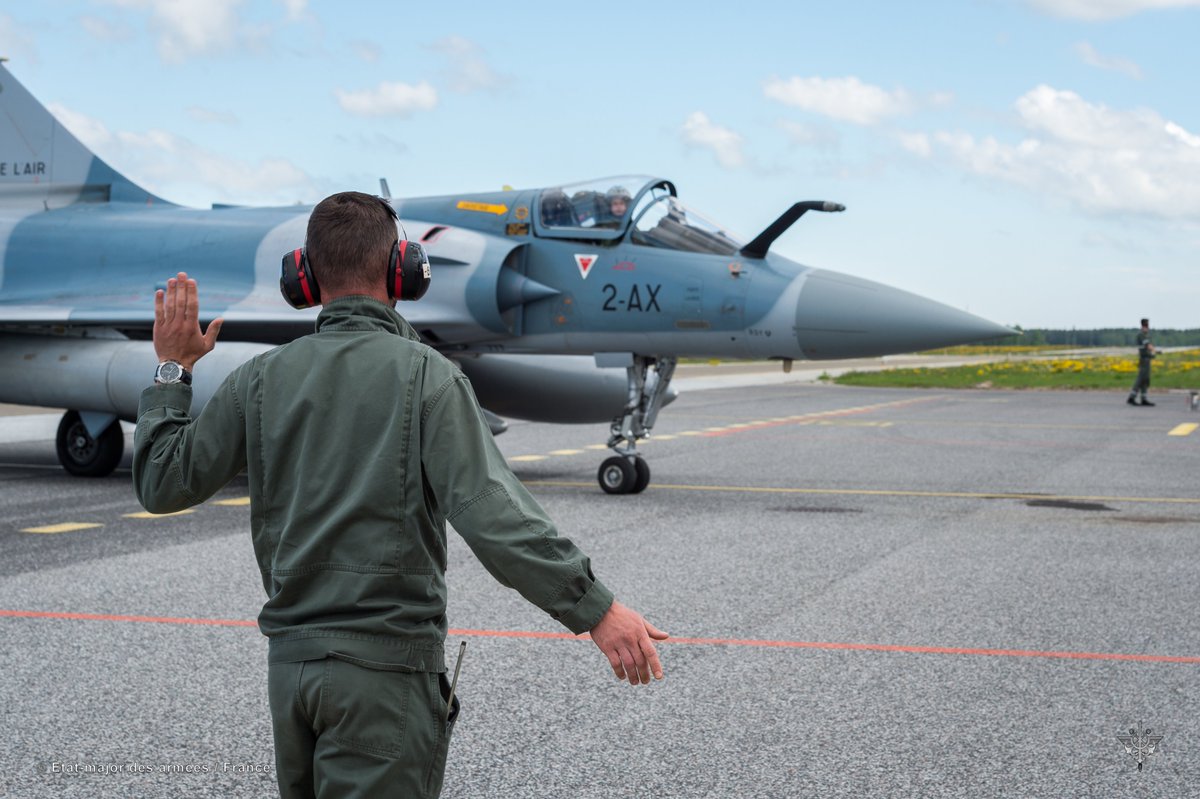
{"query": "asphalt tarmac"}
pixel 872 592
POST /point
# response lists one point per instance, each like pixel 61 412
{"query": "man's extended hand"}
pixel 177 335
pixel 624 638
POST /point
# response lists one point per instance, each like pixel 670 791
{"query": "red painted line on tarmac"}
pixel 519 634
pixel 937 650
pixel 739 642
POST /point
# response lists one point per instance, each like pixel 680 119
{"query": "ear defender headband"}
pixel 408 273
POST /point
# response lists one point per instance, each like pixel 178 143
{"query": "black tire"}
pixel 84 456
pixel 643 474
pixel 617 475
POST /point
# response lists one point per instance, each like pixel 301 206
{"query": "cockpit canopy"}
pixel 645 207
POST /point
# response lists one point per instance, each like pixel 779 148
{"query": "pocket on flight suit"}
pixel 364 704
pixel 446 721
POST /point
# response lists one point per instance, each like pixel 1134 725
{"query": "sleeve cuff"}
pixel 588 610
pixel 166 395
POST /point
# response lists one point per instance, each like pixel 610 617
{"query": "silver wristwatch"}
pixel 172 372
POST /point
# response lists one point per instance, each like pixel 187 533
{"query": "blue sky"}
pixel 1036 162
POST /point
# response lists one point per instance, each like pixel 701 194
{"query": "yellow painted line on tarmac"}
pixel 872 492
pixel 596 446
pixel 662 438
pixel 527 458
pixel 691 433
pixel 233 503
pixel 567 452
pixel 820 417
pixel 848 423
pixel 148 515
pixel 65 527
pixel 1184 429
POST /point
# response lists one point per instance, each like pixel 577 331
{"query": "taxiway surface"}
pixel 873 592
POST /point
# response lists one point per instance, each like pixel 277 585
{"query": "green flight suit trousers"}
pixel 346 727
pixel 1142 382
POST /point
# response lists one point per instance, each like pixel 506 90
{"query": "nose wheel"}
pixel 624 475
pixel 627 472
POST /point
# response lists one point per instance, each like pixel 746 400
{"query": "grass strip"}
pixel 1180 370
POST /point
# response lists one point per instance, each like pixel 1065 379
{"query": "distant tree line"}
pixel 1102 337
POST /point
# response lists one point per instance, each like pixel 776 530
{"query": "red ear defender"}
pixel 408 271
pixel 297 282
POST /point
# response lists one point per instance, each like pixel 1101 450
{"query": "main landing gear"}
pixel 627 472
pixel 89 445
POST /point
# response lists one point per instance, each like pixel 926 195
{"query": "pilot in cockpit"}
pixel 617 206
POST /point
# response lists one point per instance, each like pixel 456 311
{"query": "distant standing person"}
pixel 1146 353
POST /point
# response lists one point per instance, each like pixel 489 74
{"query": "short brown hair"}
pixel 349 240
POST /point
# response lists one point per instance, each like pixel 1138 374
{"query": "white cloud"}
pixel 846 99
pixel 181 171
pixel 190 27
pixel 1102 159
pixel 916 143
pixel 1090 56
pixel 468 71
pixel 1189 139
pixel 388 99
pixel 1105 9
pixel 725 144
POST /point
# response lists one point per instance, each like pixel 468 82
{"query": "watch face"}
pixel 169 372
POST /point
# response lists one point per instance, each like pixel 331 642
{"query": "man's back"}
pixel 360 443
pixel 345 536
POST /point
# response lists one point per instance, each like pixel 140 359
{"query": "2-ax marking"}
pixel 633 301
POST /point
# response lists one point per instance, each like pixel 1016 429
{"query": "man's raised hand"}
pixel 177 335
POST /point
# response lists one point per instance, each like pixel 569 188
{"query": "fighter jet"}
pixel 568 304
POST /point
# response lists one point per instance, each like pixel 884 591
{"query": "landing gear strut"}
pixel 627 472
pixel 85 455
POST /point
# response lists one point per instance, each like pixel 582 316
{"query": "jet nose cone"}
pixel 839 316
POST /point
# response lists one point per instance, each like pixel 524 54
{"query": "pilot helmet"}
pixel 612 195
pixel 618 191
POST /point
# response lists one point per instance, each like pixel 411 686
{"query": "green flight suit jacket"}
pixel 1145 353
pixel 360 443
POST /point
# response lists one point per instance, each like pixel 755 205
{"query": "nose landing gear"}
pixel 624 475
pixel 627 472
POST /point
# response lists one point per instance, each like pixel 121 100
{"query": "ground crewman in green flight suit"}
pixel 360 444
pixel 1146 353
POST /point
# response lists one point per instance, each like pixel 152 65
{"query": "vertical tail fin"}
pixel 42 163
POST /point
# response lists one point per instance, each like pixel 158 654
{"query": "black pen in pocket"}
pixel 462 648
